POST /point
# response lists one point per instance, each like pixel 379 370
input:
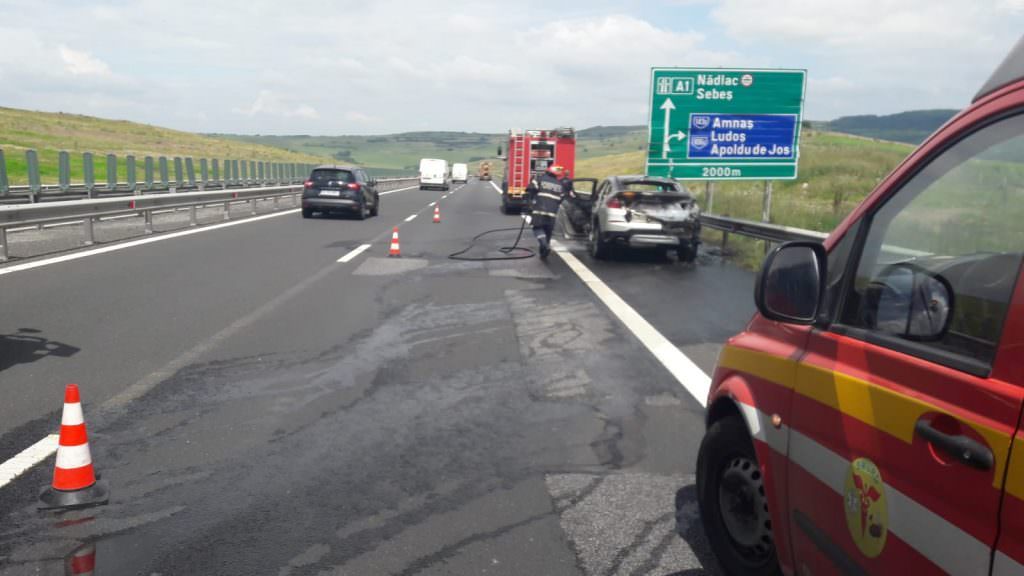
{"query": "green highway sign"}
pixel 724 124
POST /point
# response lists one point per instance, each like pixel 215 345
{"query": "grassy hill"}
pixel 49 133
pixel 401 153
pixel 911 127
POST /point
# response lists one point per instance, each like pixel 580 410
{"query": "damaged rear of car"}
pixel 637 212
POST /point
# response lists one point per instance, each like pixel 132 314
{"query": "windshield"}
pixel 323 177
pixel 423 288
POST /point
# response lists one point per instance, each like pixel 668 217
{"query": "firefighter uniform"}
pixel 546 191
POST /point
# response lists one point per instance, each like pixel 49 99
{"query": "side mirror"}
pixel 791 284
pixel 908 301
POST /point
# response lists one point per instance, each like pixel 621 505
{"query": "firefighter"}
pixel 547 191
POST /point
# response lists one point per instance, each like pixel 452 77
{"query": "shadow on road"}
pixel 690 528
pixel 24 346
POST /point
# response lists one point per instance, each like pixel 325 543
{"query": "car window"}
pixel 954 227
pixel 322 176
pixel 651 186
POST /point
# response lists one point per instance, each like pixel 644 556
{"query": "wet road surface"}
pixel 258 407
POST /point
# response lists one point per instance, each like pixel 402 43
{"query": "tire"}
pixel 687 254
pixel 361 214
pixel 728 476
pixel 376 206
pixel 307 212
pixel 599 248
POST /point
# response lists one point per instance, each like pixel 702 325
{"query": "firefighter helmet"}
pixel 556 170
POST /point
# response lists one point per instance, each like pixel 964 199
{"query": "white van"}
pixel 433 174
pixel 460 173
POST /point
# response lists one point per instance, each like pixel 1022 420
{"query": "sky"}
pixel 383 66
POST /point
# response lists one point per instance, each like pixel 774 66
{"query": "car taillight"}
pixel 308 184
pixel 354 186
pixel 614 203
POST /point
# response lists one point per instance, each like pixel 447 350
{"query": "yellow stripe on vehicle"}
pixel 879 407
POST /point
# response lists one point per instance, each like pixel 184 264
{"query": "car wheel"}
pixel 687 253
pixel 599 248
pixel 307 212
pixel 376 206
pixel 733 505
pixel 363 211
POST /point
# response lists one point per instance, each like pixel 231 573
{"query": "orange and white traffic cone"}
pixel 437 213
pixel 395 250
pixel 81 562
pixel 74 481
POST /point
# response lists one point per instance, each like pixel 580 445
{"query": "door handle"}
pixel 966 450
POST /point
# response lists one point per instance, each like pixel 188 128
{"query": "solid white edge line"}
pixel 353 253
pixel 411 218
pixel 27 458
pixel 692 378
pixel 139 242
pixel 399 190
pixel 496 188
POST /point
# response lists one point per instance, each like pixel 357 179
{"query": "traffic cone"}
pixel 81 562
pixel 74 480
pixel 437 213
pixel 395 251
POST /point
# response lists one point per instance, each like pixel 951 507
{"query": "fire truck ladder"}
pixel 520 163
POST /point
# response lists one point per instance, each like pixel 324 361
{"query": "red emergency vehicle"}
pixel 531 152
pixel 868 420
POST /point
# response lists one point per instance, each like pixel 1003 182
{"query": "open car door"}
pixel 577 209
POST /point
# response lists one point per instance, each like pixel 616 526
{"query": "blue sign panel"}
pixel 742 136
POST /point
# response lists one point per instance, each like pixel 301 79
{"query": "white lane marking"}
pixel 496 188
pixel 432 204
pixel 399 190
pixel 693 379
pixel 139 242
pixel 28 458
pixel 411 218
pixel 353 253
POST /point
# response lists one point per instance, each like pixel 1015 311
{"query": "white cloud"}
pixel 82 63
pixel 271 104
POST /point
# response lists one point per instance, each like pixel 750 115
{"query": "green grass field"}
pixel 49 133
pixel 836 172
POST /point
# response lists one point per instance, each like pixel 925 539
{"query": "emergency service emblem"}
pixel 867 512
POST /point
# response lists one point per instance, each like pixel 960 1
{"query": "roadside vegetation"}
pixel 49 133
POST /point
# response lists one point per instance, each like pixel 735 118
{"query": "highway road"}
pixel 272 398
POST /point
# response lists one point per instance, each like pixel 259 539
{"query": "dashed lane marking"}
pixel 27 458
pixel 353 253
pixel 693 379
pixel 411 218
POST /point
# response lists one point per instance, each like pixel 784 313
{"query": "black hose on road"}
pixel 508 252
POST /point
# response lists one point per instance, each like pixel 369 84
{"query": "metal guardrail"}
pixel 760 230
pixel 150 174
pixel 89 210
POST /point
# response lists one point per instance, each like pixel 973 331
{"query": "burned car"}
pixel 634 212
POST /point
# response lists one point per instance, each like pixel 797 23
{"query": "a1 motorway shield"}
pixel 725 124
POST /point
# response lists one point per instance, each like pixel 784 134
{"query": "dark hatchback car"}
pixel 340 189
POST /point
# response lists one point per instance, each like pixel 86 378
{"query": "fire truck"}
pixel 530 152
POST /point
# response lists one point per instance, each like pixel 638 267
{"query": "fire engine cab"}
pixel 530 152
pixel 868 419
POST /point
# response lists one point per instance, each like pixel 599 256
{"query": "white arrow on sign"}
pixel 668 107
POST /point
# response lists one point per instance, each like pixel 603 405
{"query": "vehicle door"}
pixel 1009 556
pixel 579 207
pixel 364 186
pixel 905 404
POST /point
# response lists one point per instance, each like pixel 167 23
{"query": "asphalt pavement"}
pixel 260 407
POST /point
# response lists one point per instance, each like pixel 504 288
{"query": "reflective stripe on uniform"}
pixel 549 195
pixel 544 213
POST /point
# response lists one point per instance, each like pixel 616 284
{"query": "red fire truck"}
pixel 531 152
